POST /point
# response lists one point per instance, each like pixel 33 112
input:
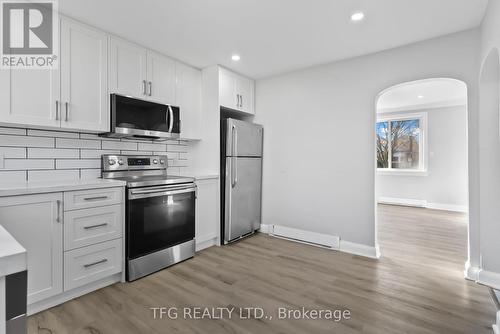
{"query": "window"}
pixel 400 143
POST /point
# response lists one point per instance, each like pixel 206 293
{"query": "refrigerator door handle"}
pixel 234 167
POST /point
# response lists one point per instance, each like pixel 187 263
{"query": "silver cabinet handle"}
pixel 95 263
pixel 144 87
pixel 58 219
pixel 241 101
pixel 95 226
pixel 237 100
pixel 57 110
pixel 97 198
pixel 150 88
pixel 171 113
pixel 66 104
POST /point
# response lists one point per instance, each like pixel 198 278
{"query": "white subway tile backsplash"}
pixel 77 143
pixel 57 134
pixel 12 131
pixel 54 153
pixel 26 141
pixel 119 145
pixel 89 174
pixel 12 176
pixel 51 175
pixel 137 152
pixel 40 155
pixel 153 147
pixel 28 164
pixel 78 163
pixel 13 152
pixel 95 154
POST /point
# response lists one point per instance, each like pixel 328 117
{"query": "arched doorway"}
pixel 422 167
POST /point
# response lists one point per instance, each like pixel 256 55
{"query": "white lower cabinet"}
pixel 207 213
pixel 88 264
pixel 90 226
pixel 35 221
pixel 72 239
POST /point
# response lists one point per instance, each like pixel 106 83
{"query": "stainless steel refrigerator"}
pixel 241 186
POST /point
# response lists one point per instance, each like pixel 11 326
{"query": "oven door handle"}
pixel 136 194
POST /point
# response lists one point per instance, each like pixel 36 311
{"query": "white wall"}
pixel 489 147
pixel 446 182
pixel 319 168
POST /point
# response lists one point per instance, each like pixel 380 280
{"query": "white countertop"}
pixel 12 254
pixel 26 188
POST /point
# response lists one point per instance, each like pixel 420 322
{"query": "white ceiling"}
pixel 433 93
pixel 274 36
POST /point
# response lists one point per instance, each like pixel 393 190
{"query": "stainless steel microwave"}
pixel 140 119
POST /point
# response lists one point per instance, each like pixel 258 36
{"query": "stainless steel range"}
pixel 160 212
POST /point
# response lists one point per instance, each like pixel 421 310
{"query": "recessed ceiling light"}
pixel 358 16
pixel 420 96
pixel 235 57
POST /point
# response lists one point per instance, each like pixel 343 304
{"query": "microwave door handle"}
pixel 171 113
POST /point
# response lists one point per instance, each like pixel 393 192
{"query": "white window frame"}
pixel 423 150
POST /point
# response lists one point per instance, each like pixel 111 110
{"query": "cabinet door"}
pixel 227 89
pixel 161 78
pixel 244 88
pixel 207 213
pixel 127 74
pixel 188 98
pixel 35 221
pixel 29 97
pixel 84 92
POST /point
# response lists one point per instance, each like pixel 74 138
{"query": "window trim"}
pixel 423 152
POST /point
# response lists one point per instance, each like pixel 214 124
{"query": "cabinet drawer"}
pixel 74 200
pixel 91 263
pixel 90 226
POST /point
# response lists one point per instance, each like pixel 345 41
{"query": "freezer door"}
pixel 242 196
pixel 243 139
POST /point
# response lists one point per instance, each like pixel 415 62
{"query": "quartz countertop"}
pixel 12 254
pixel 26 188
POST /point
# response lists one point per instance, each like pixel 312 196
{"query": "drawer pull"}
pixel 95 263
pixel 95 198
pixel 95 226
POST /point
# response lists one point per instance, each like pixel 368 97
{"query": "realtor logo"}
pixel 28 34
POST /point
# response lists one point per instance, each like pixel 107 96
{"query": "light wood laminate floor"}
pixel 416 287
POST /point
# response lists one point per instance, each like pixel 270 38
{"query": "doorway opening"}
pixel 421 183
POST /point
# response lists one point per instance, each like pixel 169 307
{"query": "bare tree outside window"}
pixel 398 144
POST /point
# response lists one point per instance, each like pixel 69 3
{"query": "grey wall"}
pixel 319 168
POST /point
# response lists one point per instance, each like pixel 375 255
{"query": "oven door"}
pixel 159 217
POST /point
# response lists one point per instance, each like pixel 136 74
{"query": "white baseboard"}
pixel 470 272
pixel 320 240
pixel 402 201
pixel 267 229
pixel 447 207
pixel 206 241
pixel 360 249
pixel 72 294
pixel 489 278
pixel 420 203
pixel 325 240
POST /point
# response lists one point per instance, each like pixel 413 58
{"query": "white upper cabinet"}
pixel 30 97
pixel 141 73
pixel 127 68
pixel 188 98
pixel 236 92
pixel 36 222
pixel 161 78
pixel 84 69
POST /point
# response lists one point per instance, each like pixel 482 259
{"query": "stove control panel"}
pixel 133 162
